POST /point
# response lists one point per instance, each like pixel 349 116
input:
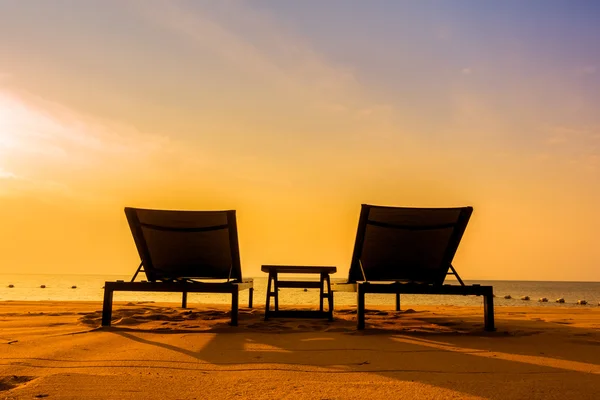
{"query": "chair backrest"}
pixel 186 244
pixel 407 244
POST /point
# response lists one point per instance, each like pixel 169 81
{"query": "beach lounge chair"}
pixel 186 252
pixel 401 250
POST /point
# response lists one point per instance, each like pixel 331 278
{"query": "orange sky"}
pixel 187 106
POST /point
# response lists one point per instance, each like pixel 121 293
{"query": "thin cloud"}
pixel 257 45
pixel 48 148
pixel 558 139
pixel 6 174
pixel 39 139
pixel 576 145
pixel 30 124
pixel 586 70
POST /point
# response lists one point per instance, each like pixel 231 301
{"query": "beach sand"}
pixel 58 350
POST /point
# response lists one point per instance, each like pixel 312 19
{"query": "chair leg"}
pixel 488 312
pixel 107 306
pixel 397 301
pixel 360 306
pixel 234 307
pixel 250 297
pixel 184 300
pixel 329 297
pixel 268 301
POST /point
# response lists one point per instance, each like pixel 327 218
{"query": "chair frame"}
pixel 184 285
pixel 363 285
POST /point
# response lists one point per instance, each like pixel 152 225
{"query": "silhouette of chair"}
pixel 401 250
pixel 186 252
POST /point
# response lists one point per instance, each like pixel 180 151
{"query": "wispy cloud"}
pixel 561 133
pixel 6 174
pixel 48 146
pixel 579 145
pixel 33 124
pixel 257 45
pixel 586 70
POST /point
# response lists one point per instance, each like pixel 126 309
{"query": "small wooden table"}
pixel 274 285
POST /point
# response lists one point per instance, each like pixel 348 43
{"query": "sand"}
pixel 58 350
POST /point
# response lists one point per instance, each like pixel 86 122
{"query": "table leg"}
pixel 268 301
pixel 329 297
pixel 321 293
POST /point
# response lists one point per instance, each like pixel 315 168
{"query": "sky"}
pixel 295 113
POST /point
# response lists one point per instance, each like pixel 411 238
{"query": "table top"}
pixel 299 269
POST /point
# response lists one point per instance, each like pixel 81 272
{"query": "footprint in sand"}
pixel 126 321
pixel 377 313
pixel 12 381
pixel 339 330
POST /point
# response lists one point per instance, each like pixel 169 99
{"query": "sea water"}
pixel 90 288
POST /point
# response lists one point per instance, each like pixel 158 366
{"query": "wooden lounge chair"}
pixel 184 251
pixel 410 250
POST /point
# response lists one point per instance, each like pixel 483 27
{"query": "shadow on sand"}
pixel 420 346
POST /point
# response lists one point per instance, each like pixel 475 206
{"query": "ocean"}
pixel 89 288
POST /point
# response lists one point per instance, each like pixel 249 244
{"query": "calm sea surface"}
pixel 89 288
